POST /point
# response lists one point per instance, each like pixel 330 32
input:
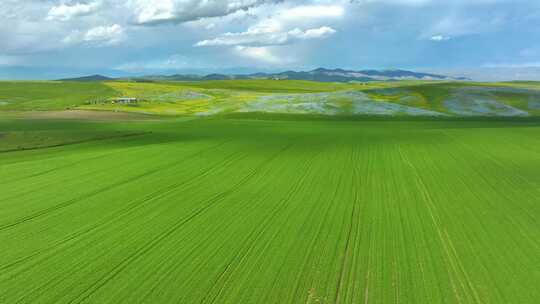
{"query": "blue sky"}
pixel 49 38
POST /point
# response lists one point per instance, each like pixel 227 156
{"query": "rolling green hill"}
pixel 399 98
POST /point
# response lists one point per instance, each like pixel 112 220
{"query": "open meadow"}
pixel 431 195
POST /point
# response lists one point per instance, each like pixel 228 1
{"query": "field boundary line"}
pixel 73 143
pixel 447 243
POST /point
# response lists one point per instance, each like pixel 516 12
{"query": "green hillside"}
pixel 397 98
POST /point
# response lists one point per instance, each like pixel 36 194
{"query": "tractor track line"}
pixel 152 244
pixel 98 191
pixel 132 207
pixel 84 160
pixel 353 217
pixel 120 214
pixel 221 277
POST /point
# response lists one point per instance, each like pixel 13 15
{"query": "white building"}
pixel 125 100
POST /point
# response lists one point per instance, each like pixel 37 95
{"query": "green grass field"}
pixel 50 95
pixel 248 209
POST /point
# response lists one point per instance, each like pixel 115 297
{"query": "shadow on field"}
pixel 247 131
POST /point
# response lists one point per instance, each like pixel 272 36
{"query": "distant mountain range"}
pixel 320 74
pixel 89 78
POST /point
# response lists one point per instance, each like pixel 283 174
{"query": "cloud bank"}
pixel 155 12
pixel 225 34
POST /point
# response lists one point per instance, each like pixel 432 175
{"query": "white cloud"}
pixel 279 25
pixel 64 12
pixel 267 36
pixel 97 36
pixel 283 25
pixel 111 34
pixel 313 11
pixel 262 54
pixel 290 16
pixel 439 38
pixel 322 32
pixel 151 12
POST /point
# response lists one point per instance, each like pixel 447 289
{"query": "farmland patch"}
pixel 254 211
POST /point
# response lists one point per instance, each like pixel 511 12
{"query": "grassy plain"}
pixel 253 210
pixel 50 95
